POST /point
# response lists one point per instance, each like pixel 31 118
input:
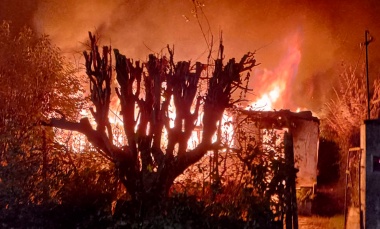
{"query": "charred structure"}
pixel 300 132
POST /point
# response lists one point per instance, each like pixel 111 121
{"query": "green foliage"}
pixel 265 184
pixel 251 192
pixel 34 81
pixel 86 193
pixel 81 188
pixel 44 184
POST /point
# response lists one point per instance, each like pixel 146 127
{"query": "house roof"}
pixel 278 119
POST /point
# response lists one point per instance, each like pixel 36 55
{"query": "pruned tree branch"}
pixel 156 148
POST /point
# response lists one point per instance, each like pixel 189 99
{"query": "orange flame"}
pixel 274 86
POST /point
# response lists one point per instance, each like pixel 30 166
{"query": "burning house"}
pixel 303 129
pixel 299 130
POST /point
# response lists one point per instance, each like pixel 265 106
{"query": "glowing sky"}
pixel 328 33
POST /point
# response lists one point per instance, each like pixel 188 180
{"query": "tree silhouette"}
pixel 147 165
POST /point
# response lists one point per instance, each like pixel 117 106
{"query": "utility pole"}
pixel 368 39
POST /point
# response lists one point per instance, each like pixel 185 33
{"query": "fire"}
pixel 274 86
pixel 266 101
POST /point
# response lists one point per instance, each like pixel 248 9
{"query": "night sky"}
pixel 326 34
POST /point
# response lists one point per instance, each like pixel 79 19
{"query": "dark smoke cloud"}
pixel 19 12
pixel 330 31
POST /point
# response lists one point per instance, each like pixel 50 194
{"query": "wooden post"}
pixel 366 43
pixel 291 202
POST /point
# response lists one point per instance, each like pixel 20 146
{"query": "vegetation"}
pixel 343 116
pixel 51 178
pixel 34 81
pixel 345 113
pixel 147 166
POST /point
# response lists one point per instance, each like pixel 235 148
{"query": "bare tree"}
pixel 146 92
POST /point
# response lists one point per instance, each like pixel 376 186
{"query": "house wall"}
pixel 305 144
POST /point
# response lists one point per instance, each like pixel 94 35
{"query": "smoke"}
pixel 330 31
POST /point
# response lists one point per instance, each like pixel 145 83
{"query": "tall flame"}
pixel 274 86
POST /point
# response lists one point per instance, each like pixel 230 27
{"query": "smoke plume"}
pixel 330 33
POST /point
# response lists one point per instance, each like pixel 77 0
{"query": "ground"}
pixel 316 222
pixel 328 209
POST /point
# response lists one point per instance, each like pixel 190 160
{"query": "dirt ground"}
pixel 316 222
pixel 327 210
